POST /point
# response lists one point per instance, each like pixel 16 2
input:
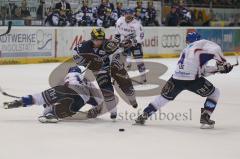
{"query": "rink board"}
pixel 50 44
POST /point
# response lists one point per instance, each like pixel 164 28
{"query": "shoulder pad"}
pixel 84 47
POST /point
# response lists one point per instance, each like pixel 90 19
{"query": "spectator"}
pixel 119 8
pixel 63 11
pixel 172 18
pixel 102 8
pixel 140 12
pixel 185 16
pixel 4 13
pixel 24 12
pixel 17 13
pixel 13 8
pixel 40 10
pixel 109 18
pixel 151 15
pixel 85 6
pixel 63 6
pixel 86 15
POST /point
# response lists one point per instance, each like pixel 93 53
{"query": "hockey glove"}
pixel 93 113
pixel 224 67
pixel 110 46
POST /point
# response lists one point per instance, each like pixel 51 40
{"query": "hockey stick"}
pixel 7 94
pixel 237 62
pixel 136 81
pixel 121 76
pixel 8 30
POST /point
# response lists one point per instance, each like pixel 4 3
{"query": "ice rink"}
pixel 23 137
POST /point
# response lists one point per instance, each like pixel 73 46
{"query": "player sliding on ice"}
pixel 64 100
pixel 189 75
pixel 105 59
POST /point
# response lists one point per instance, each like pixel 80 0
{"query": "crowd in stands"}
pixel 106 13
pixel 16 12
pixel 182 15
pixel 215 3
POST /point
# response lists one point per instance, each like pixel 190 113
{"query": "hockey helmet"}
pixel 192 37
pixel 97 34
pixel 129 11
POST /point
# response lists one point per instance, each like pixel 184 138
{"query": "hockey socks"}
pixel 27 101
pixel 149 110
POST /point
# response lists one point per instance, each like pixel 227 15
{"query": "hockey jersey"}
pixel 194 58
pixel 134 27
pixel 96 58
pixel 76 80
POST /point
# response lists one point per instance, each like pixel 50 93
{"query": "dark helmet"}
pixel 97 34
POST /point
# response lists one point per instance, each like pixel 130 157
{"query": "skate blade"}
pixel 45 120
pixel 206 126
pixel 114 120
pixel 5 106
pixel 138 124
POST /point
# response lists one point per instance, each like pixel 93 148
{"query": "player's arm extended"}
pixel 209 70
pixel 221 63
pixel 222 66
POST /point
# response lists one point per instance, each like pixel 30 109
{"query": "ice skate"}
pixel 205 120
pixel 141 119
pixel 113 116
pixel 48 118
pixel 13 104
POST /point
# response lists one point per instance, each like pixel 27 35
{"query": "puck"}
pixel 121 129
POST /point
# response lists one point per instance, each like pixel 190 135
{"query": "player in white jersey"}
pixel 64 100
pixel 189 75
pixel 127 26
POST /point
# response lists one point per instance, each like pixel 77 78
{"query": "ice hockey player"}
pixel 189 75
pixel 127 25
pixel 95 55
pixel 64 100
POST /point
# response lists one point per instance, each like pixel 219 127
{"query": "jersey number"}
pixel 181 61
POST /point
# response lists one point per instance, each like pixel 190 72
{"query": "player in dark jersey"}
pixel 95 55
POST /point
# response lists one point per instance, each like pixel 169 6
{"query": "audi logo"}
pixel 171 40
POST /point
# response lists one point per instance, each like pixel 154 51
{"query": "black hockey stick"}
pixel 9 95
pixel 237 63
pixel 122 76
pixel 8 30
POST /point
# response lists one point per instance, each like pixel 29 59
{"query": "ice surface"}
pixel 23 137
